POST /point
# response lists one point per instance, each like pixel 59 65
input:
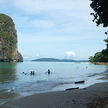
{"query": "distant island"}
pixel 57 60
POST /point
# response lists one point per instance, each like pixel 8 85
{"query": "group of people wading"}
pixel 33 72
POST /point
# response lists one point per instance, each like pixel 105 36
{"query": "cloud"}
pixel 35 6
pixel 70 54
pixel 57 16
pixel 31 57
pixel 43 24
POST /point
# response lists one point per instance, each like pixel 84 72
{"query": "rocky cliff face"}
pixel 8 40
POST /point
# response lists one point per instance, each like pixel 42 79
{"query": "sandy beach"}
pixel 95 96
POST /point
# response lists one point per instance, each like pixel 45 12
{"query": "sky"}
pixel 55 28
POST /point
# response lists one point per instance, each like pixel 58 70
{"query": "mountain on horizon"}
pixel 57 60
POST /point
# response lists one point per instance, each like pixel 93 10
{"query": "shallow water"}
pixel 14 83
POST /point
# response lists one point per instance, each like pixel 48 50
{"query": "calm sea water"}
pixel 14 83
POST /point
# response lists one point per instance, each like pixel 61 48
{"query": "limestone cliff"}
pixel 8 40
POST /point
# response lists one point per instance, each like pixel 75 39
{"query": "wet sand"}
pixel 95 96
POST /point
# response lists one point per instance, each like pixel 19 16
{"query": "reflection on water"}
pixel 7 72
pixel 7 75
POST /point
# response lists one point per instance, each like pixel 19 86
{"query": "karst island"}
pixel 8 40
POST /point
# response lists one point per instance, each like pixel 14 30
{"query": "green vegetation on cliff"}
pixel 101 56
pixel 8 40
pixel 6 23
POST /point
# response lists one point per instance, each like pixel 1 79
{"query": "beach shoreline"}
pixel 101 63
pixel 78 98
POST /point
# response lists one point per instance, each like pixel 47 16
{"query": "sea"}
pixel 16 80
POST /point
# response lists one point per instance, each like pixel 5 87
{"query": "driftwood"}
pixel 72 88
pixel 78 82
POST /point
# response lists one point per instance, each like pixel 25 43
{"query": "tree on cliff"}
pixel 100 14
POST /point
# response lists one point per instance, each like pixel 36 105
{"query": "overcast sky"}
pixel 54 28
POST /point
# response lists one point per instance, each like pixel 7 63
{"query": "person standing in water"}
pixel 49 71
